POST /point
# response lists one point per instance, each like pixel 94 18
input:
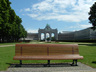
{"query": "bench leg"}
pixel 20 62
pixel 74 63
pixel 49 63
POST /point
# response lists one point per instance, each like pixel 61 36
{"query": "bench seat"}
pixel 52 57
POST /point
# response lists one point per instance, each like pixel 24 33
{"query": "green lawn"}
pixel 88 50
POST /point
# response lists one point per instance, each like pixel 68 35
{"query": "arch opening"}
pixel 53 37
pixel 42 36
pixel 47 36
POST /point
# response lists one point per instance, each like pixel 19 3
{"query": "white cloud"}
pixel 32 15
pixel 68 17
pixel 32 31
pixel 85 26
pixel 81 26
pixel 61 10
pixel 43 6
pixel 27 9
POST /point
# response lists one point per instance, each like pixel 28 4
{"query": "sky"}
pixel 65 15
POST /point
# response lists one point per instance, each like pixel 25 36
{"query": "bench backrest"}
pixel 45 49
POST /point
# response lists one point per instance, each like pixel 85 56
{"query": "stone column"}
pixel 39 36
pixel 45 36
pixel 56 33
pixel 56 36
pixel 50 36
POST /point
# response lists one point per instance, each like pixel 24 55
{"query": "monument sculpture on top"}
pixel 48 30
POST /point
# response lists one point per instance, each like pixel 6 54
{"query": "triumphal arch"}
pixel 48 30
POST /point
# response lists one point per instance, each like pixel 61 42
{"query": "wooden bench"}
pixel 47 52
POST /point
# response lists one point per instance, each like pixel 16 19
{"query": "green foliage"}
pixel 92 13
pixel 10 24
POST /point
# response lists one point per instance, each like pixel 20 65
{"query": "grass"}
pixel 6 56
pixel 89 53
pixel 88 50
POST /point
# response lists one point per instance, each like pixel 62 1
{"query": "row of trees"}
pixel 11 28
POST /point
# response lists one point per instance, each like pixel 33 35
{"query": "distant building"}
pixel 32 36
pixel 66 36
pixel 48 30
pixel 85 34
pixel 81 35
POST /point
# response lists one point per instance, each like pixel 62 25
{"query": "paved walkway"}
pixel 54 68
pixel 6 45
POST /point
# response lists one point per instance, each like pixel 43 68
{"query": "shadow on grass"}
pixel 39 65
pixel 88 44
pixel 94 62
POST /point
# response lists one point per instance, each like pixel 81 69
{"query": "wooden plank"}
pixel 52 57
pixel 17 50
pixel 76 50
pixel 34 50
pixel 60 50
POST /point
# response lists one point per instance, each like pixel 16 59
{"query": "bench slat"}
pixel 56 57
pixel 34 51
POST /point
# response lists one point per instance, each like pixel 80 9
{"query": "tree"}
pixel 11 28
pixel 4 17
pixel 12 22
pixel 92 17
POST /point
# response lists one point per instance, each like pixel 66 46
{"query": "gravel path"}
pixel 54 68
